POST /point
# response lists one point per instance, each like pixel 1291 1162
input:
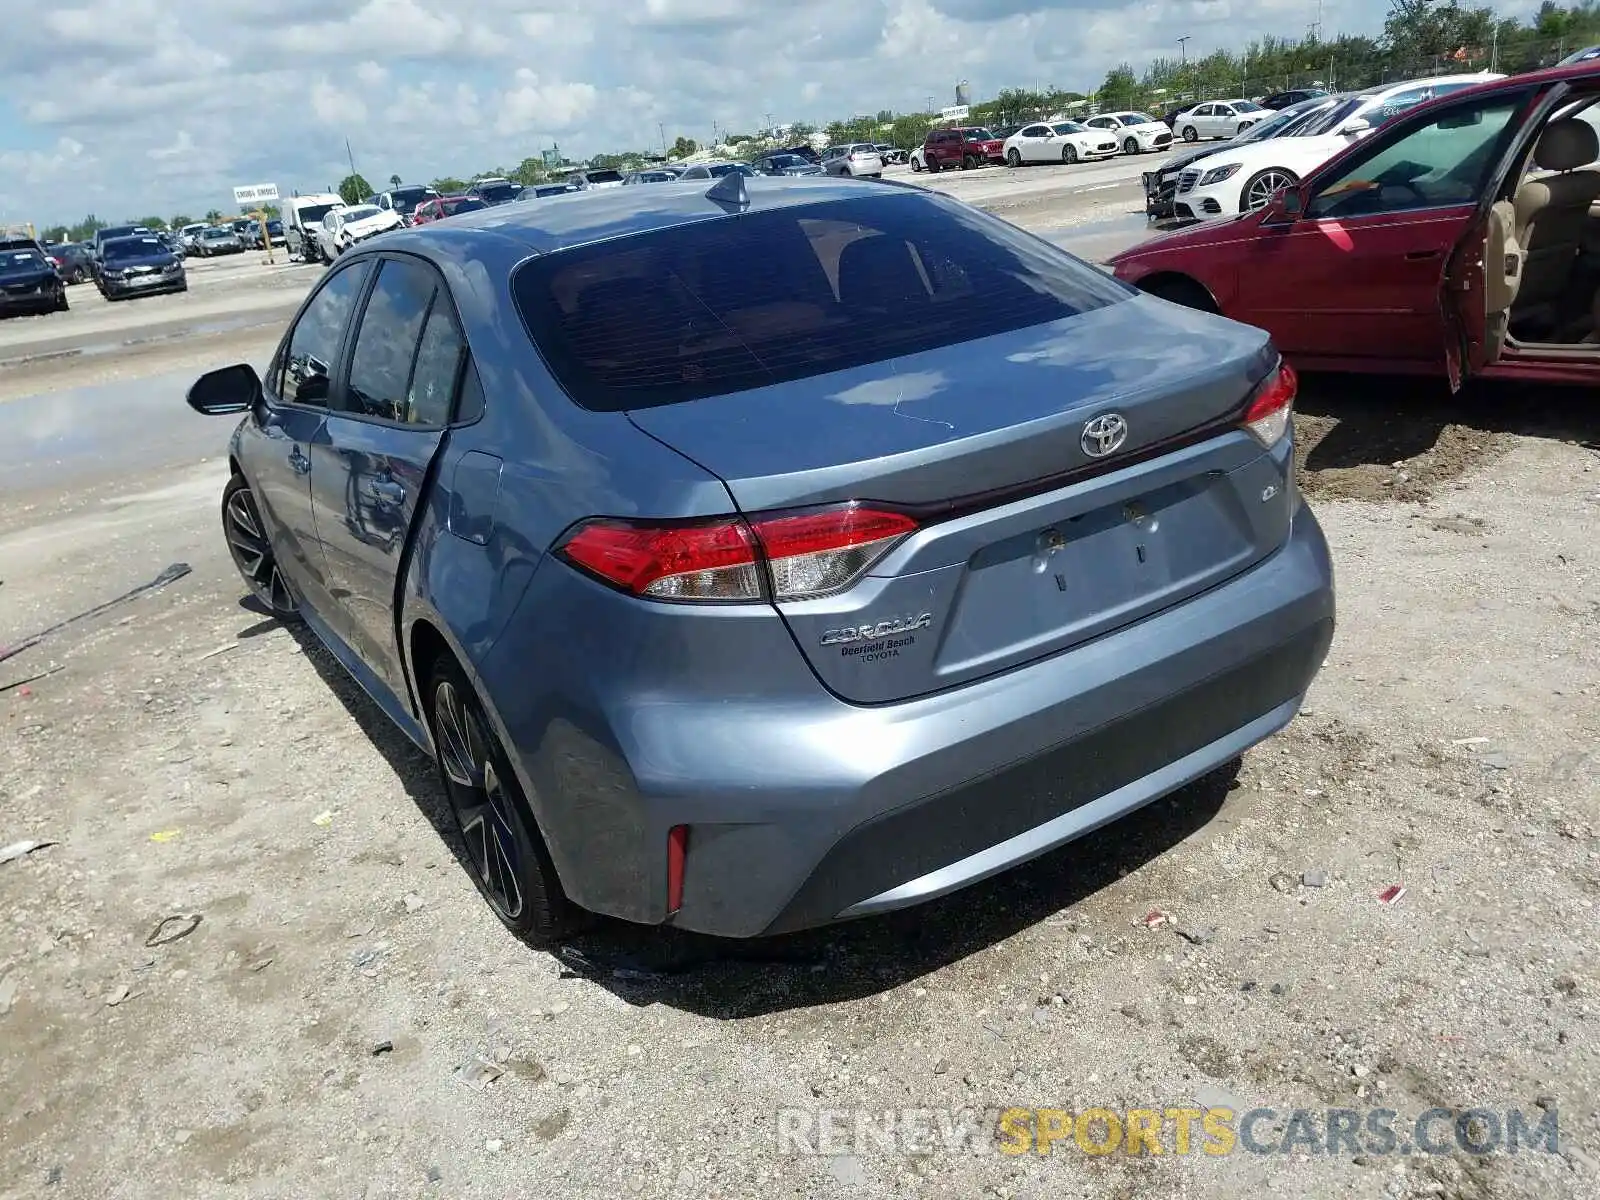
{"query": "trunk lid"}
pixel 1029 544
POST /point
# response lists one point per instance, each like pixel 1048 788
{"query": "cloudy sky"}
pixel 133 107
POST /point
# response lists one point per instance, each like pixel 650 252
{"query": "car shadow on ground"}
pixel 1378 420
pixel 726 978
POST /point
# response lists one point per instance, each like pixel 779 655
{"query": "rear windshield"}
pixel 605 177
pixel 21 258
pixel 727 305
pixel 464 204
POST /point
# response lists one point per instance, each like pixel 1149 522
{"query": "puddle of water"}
pixel 97 349
pixel 105 430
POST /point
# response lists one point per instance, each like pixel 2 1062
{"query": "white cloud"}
pixel 170 108
pixel 532 104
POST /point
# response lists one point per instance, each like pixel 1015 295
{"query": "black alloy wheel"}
pixel 1069 155
pixel 252 550
pixel 507 857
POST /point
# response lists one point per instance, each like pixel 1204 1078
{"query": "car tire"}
pixel 1013 158
pixel 1265 182
pixel 933 166
pixel 969 162
pixel 251 551
pixel 1191 134
pixel 1130 146
pixel 61 304
pixel 1069 155
pixel 916 166
pixel 503 849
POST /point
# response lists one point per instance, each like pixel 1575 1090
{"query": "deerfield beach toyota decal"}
pixel 879 639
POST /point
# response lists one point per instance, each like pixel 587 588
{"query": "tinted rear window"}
pixel 730 304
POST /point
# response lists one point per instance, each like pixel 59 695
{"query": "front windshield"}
pixel 214 234
pixel 142 247
pixel 1287 121
pixel 787 160
pixel 1247 106
pixel 311 214
pixel 360 213
pixel 1330 120
pixel 1068 127
pixel 979 135
pixel 1135 119
pixel 405 200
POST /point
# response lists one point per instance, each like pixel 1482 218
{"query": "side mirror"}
pixel 227 390
pixel 1357 128
pixel 1284 207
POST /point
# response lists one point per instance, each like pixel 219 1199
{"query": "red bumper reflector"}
pixel 677 851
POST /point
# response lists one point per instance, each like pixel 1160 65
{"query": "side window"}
pixel 1446 161
pixel 314 342
pixel 433 382
pixel 471 406
pixel 387 342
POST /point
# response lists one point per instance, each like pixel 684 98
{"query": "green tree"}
pixel 684 147
pixel 156 223
pixel 448 185
pixel 394 181
pixel 57 233
pixel 353 189
pixel 1120 86
pixel 179 220
pixel 529 171
pixel 213 216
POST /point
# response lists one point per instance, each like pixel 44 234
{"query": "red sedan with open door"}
pixel 1461 239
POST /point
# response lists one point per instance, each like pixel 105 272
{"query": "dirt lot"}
pixel 346 1018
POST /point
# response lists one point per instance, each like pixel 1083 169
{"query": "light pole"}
pixel 1183 61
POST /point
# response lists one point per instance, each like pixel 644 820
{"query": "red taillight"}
pixel 1270 412
pixel 785 557
pixel 677 854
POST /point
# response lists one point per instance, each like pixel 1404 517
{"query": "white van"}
pixel 302 217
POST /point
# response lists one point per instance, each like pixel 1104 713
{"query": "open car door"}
pixel 1480 285
pixel 1484 273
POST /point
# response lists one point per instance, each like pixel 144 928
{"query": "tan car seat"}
pixel 1553 210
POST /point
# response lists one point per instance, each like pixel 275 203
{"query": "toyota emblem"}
pixel 1104 435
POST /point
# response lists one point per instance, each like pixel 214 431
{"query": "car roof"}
pixel 579 218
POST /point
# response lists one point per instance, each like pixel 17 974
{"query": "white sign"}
pixel 959 112
pixel 260 193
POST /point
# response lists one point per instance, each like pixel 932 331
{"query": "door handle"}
pixel 300 463
pixel 386 492
pixel 1421 255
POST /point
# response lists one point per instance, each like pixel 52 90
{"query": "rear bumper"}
pixel 803 809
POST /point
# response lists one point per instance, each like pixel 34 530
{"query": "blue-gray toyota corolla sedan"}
pixel 756 557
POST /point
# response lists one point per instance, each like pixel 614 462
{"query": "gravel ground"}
pixel 252 965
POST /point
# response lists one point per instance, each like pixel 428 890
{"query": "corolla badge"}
pixel 1104 435
pixel 877 629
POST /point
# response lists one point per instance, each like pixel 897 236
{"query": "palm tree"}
pixel 213 216
pixel 394 181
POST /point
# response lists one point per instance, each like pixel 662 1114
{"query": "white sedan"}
pixel 1242 178
pixel 1218 119
pixel 1137 131
pixel 1063 142
pixel 344 227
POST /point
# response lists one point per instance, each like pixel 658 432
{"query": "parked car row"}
pixel 1451 236
pixel 1277 152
